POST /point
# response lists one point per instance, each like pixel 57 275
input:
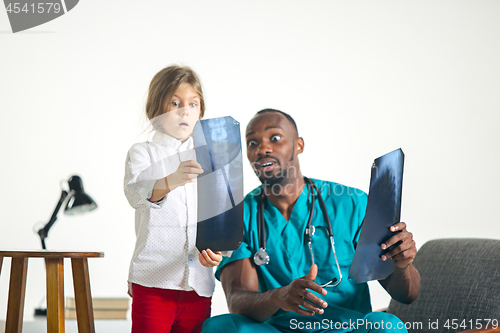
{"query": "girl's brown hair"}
pixel 163 87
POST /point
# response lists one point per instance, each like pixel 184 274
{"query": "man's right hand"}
pixel 295 297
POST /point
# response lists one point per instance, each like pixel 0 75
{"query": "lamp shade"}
pixel 79 201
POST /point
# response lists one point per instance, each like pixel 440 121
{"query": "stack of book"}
pixel 104 308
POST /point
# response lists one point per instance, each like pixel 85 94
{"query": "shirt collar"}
pixel 171 142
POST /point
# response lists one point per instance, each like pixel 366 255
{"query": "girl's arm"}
pixel 139 177
pixel 185 173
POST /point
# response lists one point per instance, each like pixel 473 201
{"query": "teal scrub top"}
pixel 290 257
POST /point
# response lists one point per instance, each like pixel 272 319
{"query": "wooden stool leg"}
pixel 55 294
pixel 1 262
pixel 83 298
pixel 17 291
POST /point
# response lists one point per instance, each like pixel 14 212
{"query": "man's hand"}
pixel 404 283
pixel 295 295
pixel 404 253
pixel 187 172
pixel 208 258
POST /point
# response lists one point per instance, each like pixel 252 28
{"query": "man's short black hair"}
pixel 290 119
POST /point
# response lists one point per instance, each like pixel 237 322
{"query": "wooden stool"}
pixel 54 262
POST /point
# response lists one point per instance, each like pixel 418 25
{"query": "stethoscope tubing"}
pixel 261 223
pixel 261 256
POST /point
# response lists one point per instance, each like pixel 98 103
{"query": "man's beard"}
pixel 271 180
pixel 280 177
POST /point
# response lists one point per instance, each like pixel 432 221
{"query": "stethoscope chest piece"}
pixel 261 257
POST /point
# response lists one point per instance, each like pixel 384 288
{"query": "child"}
pixel 170 282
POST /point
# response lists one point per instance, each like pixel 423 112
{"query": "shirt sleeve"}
pixel 139 178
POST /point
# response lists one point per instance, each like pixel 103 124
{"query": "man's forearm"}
pixel 403 284
pixel 254 305
pixel 241 285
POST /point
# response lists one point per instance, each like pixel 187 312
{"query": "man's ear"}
pixel 300 145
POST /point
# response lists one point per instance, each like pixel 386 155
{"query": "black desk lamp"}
pixel 79 202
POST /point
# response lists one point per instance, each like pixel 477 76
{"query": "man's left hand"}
pixel 405 250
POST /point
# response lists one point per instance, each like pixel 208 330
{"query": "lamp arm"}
pixel 43 232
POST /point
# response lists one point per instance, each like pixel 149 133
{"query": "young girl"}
pixel 170 282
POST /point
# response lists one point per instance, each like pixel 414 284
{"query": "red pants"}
pixel 156 310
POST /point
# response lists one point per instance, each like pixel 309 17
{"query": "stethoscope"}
pixel 262 258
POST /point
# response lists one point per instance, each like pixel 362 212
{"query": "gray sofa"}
pixel 460 286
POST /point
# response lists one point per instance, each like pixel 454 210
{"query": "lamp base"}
pixel 41 312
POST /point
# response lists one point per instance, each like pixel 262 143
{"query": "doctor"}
pixel 288 276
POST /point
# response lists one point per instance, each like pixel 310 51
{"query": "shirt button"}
pixel 190 260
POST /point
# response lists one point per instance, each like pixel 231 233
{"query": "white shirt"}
pixel 165 254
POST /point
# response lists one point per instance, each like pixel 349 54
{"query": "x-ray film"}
pixel 220 186
pixel 383 210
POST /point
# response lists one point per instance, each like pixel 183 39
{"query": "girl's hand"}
pixel 185 173
pixel 208 258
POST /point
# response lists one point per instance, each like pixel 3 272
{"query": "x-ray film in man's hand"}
pixel 383 210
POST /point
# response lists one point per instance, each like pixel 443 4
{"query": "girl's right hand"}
pixel 187 172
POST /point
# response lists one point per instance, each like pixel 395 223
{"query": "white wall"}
pixel 361 78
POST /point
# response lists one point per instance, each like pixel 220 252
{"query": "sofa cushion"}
pixel 460 285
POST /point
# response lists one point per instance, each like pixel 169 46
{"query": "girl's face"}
pixel 181 112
